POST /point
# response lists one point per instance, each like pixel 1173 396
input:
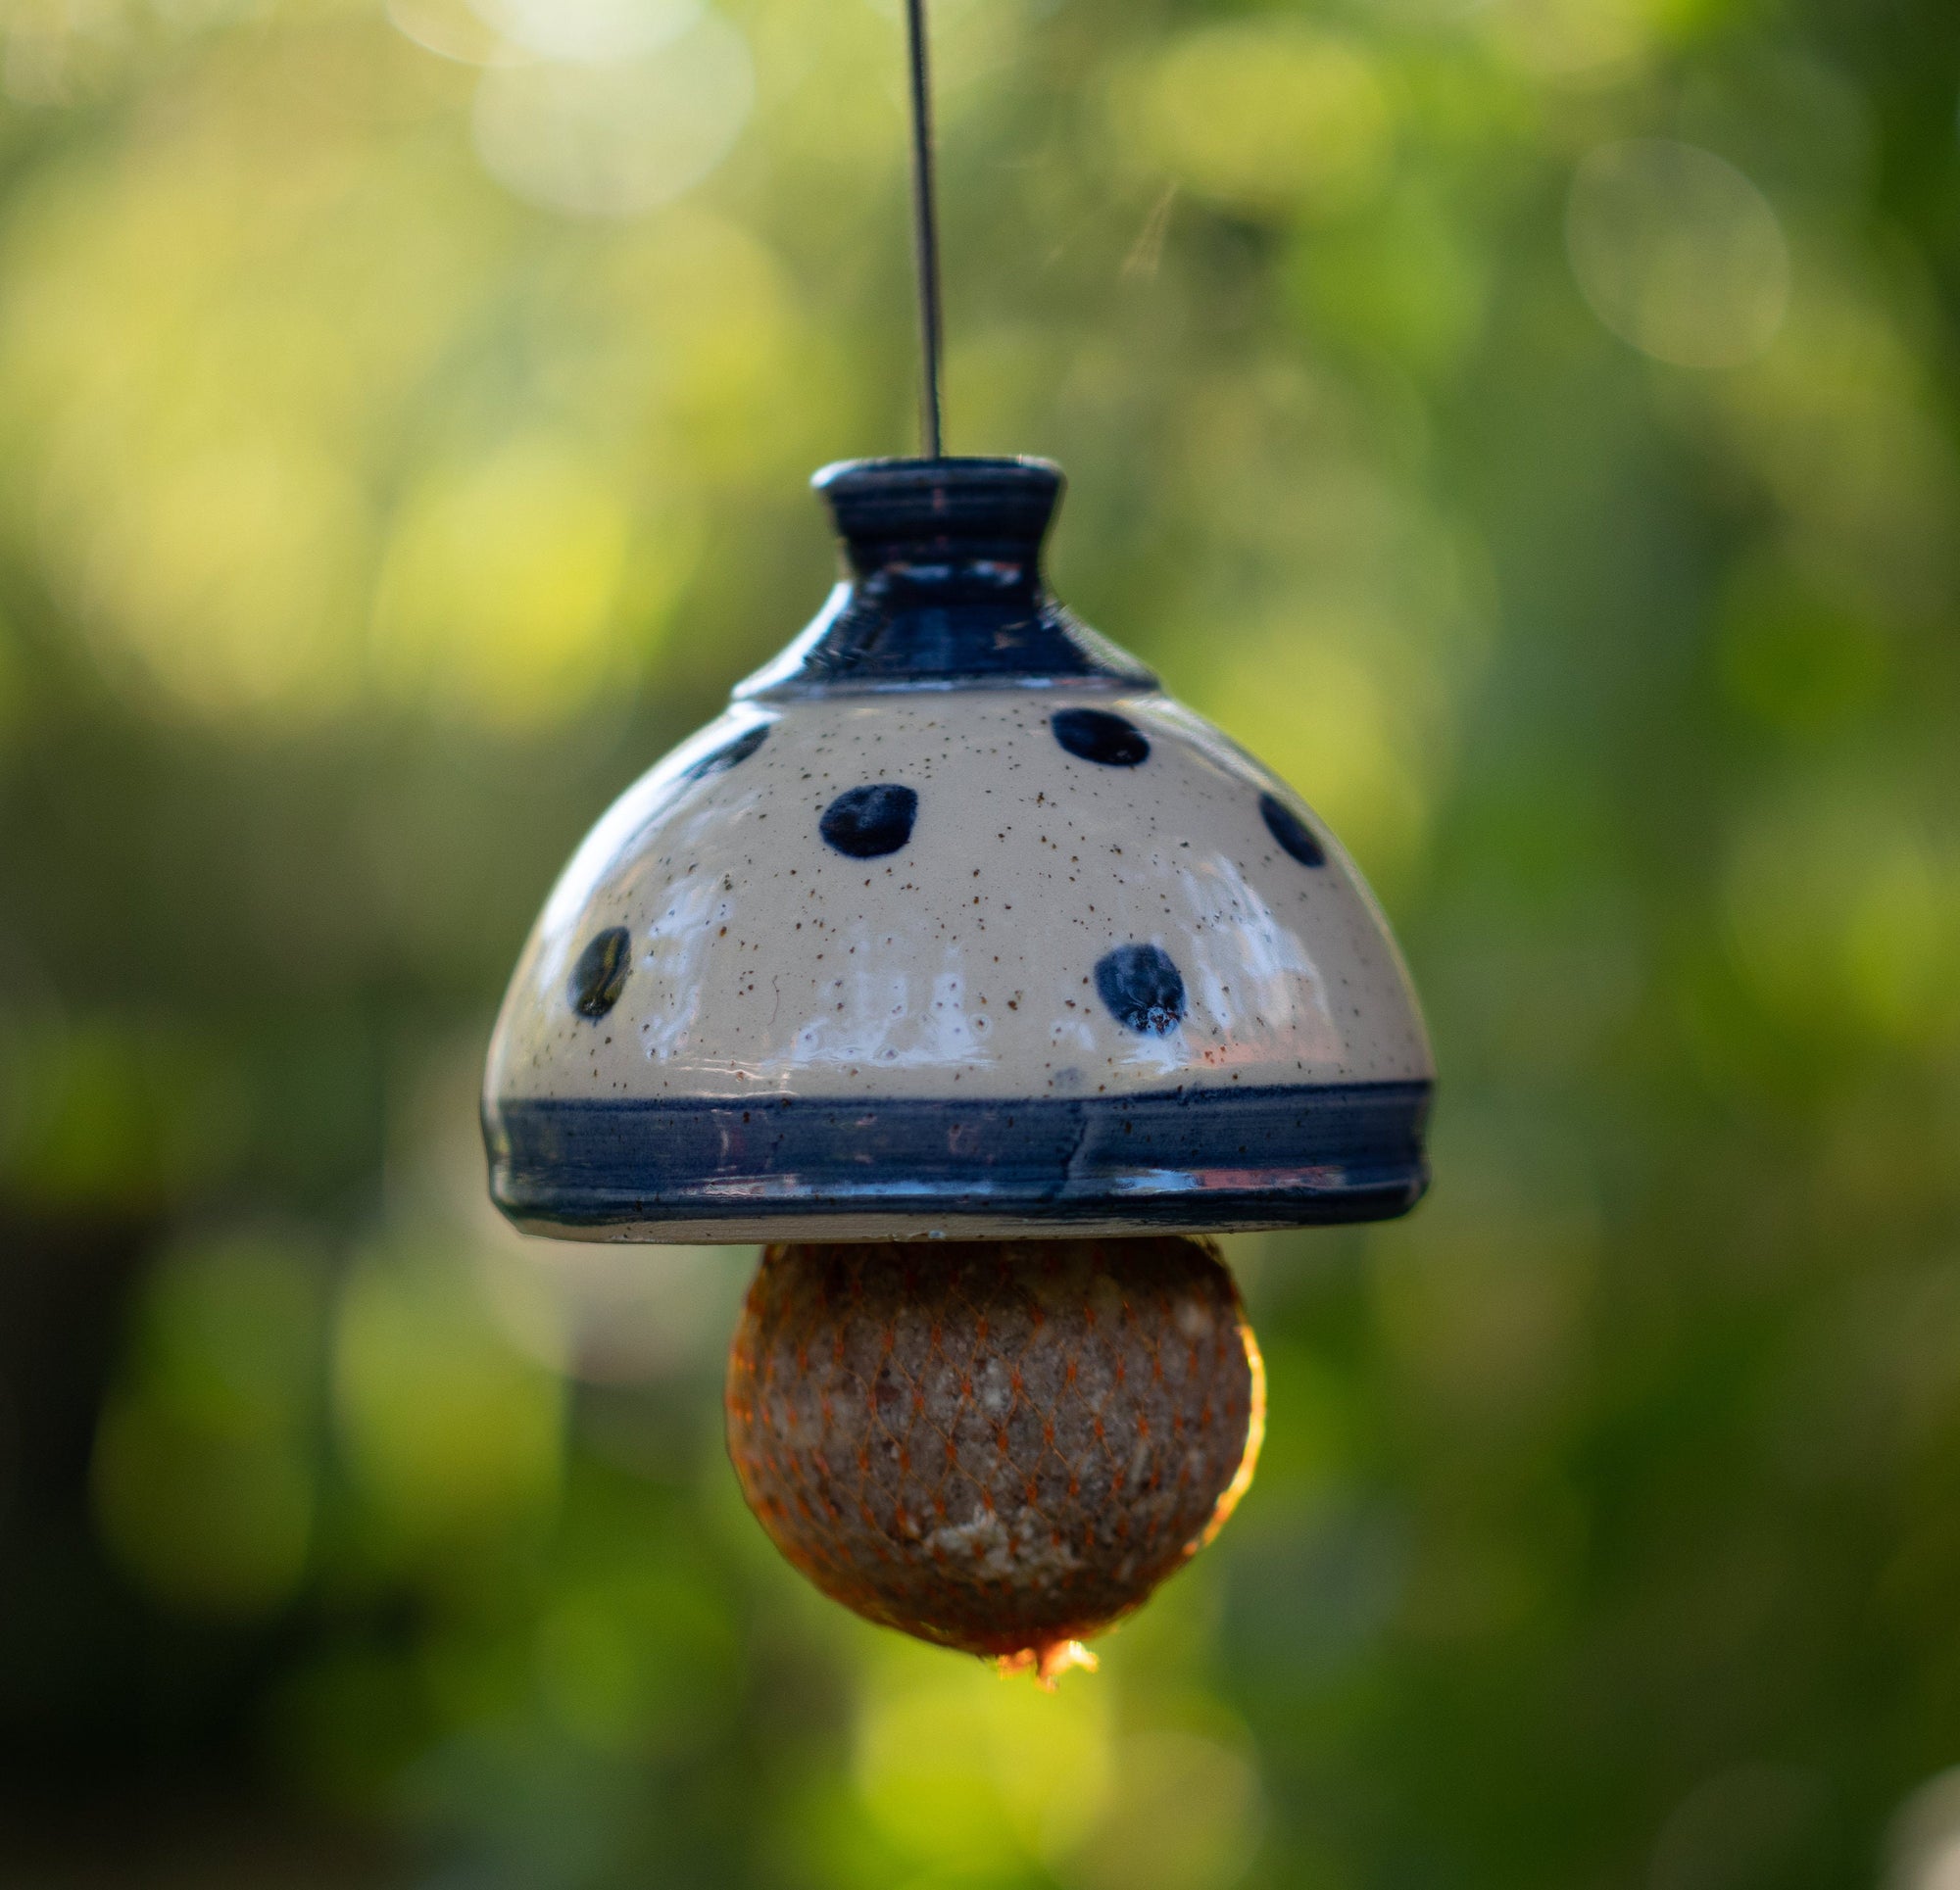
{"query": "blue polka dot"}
pixel 863 823
pixel 599 975
pixel 1096 735
pixel 732 755
pixel 1144 990
pixel 1291 832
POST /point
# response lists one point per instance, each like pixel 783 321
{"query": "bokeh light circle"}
pixel 1678 253
pixel 615 139
pixel 588 32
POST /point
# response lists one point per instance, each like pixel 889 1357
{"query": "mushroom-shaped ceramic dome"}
pixel 954 924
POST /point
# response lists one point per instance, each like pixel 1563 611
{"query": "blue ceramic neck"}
pixel 943 587
pixel 944 529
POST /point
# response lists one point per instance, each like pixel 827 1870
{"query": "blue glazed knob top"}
pixel 978 521
pixel 943 587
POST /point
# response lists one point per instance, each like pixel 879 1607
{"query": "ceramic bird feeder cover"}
pixel 954 925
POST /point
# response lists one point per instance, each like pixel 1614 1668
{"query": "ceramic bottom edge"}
pixel 926 1227
pixel 832 1169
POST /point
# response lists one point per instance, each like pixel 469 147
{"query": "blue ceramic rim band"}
pixel 1303 1155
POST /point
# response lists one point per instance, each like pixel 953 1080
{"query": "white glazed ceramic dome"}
pixel 954 924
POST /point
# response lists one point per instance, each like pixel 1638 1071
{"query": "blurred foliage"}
pixel 1533 425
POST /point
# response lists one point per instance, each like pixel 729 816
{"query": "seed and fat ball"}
pixel 998 1446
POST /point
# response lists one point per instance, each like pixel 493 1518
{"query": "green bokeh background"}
pixel 1534 427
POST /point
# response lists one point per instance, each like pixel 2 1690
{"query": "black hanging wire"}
pixel 925 233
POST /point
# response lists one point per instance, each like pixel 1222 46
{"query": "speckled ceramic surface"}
pixel 906 944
